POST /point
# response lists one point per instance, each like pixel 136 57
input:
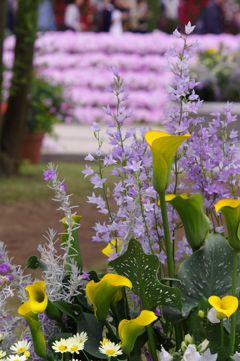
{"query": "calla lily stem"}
pixel 110 330
pixel 168 245
pixel 222 340
pixel 151 343
pixel 233 317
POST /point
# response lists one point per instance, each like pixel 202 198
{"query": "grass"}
pixel 30 186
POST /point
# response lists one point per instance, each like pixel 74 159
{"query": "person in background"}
pixel 119 14
pixel 46 19
pixel 105 18
pixel 72 16
pixel 211 20
pixel 10 16
pixel 138 17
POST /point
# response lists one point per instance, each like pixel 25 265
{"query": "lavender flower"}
pixel 49 174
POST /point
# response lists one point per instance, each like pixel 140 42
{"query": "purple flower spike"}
pixel 49 174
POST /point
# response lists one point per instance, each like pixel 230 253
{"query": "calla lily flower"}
pixel 113 246
pixel 225 306
pixel 74 250
pixel 102 293
pixel 163 147
pixel 129 330
pixel 196 223
pixel 38 299
pixel 31 317
pixel 231 211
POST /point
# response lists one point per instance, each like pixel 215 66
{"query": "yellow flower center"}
pixel 74 348
pixel 110 352
pixel 22 349
pixel 62 348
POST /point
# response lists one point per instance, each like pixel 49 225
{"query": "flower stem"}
pixel 151 343
pixel 110 330
pixel 168 245
pixel 85 355
pixel 222 340
pixel 233 317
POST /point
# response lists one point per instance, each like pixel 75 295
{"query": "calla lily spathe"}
pixel 113 246
pixel 101 294
pixel 163 147
pixel 129 330
pixel 231 211
pixel 38 299
pixel 196 224
pixel 225 306
pixel 31 318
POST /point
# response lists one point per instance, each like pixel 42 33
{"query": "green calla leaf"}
pixel 89 324
pixel 196 223
pixel 205 273
pixel 142 270
pixel 34 262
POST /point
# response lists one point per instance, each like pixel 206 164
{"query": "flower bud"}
pixel 183 346
pixel 188 339
pixel 201 314
pixel 203 346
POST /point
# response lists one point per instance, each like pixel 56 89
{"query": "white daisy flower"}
pixel 2 336
pixel 110 348
pixel 82 338
pixel 2 354
pixel 61 346
pixel 16 358
pixel 76 343
pixel 21 346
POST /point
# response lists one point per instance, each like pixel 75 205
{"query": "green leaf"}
pixel 89 324
pixel 34 262
pixel 142 270
pixel 73 311
pixel 206 272
pixel 195 222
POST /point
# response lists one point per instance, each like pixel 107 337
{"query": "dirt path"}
pixel 23 225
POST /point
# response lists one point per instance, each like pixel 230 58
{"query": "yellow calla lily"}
pixel 113 246
pixel 163 146
pixel 231 211
pixel 38 299
pixel 171 196
pixel 129 330
pixel 101 294
pixel 36 332
pixel 225 306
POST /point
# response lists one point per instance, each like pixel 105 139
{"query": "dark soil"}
pixel 23 225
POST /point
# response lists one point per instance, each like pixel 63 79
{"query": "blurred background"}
pixel 55 57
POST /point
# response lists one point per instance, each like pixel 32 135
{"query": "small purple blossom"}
pixel 96 127
pixel 10 277
pixel 114 70
pixel 85 276
pixel 88 171
pixel 4 267
pixel 49 174
pixel 63 187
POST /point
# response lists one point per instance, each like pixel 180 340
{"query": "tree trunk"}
pixel 14 120
pixel 3 10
